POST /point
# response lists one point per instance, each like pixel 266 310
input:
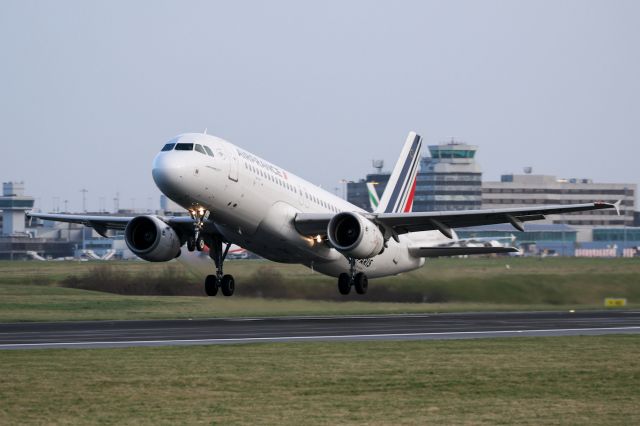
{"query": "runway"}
pixel 110 334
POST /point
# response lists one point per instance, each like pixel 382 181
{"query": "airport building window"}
pixel 184 147
pixel 208 150
pixel 168 147
pixel 200 149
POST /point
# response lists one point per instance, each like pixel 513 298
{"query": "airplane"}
pixel 236 197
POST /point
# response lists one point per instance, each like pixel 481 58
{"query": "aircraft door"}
pixel 233 168
pixel 300 197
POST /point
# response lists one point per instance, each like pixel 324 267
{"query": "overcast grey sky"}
pixel 90 91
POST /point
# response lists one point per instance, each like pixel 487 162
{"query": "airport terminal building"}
pixel 527 189
pixel 449 179
pixel 21 238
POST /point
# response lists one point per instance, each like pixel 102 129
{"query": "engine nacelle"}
pixel 355 236
pixel 151 239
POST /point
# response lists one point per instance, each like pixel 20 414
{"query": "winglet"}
pixel 400 190
pixel 616 205
pixel 604 205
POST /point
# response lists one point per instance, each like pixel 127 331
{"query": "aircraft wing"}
pixel 402 223
pixel 104 223
pixel 108 222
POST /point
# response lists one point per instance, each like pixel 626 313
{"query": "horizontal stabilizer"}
pixel 458 251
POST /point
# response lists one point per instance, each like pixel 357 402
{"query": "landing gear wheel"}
pixel 228 285
pixel 200 244
pixel 191 244
pixel 226 282
pixel 361 283
pixel 211 285
pixel 344 283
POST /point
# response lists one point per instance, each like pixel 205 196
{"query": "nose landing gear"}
pixel 199 216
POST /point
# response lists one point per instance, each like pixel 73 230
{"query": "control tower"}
pixel 14 204
pixel 450 179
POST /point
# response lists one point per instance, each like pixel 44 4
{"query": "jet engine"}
pixel 355 236
pixel 151 239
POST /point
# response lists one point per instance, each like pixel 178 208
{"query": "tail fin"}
pixel 374 200
pixel 398 195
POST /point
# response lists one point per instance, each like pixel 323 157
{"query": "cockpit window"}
pixel 168 147
pixel 184 147
pixel 209 152
pixel 199 149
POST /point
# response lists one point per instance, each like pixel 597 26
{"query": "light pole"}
pixel 624 220
pixel 84 199
pixel 563 225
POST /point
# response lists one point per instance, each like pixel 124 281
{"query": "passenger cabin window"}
pixel 184 147
pixel 168 147
pixel 200 149
pixel 208 150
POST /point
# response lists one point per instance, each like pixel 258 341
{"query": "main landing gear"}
pixel 358 280
pixel 212 283
pixel 225 283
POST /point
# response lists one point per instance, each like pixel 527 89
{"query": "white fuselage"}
pixel 253 204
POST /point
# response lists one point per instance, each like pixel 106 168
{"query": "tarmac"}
pixel 115 334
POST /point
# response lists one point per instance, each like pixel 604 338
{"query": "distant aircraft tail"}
pixel 374 200
pixel 401 188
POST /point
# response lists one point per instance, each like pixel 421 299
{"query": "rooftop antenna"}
pixel 205 131
pixel 378 165
pixel 116 202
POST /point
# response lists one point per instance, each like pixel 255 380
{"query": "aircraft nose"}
pixel 169 173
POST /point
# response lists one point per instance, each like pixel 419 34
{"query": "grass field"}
pixel 31 291
pixel 569 380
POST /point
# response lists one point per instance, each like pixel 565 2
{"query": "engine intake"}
pixel 151 239
pixel 355 236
